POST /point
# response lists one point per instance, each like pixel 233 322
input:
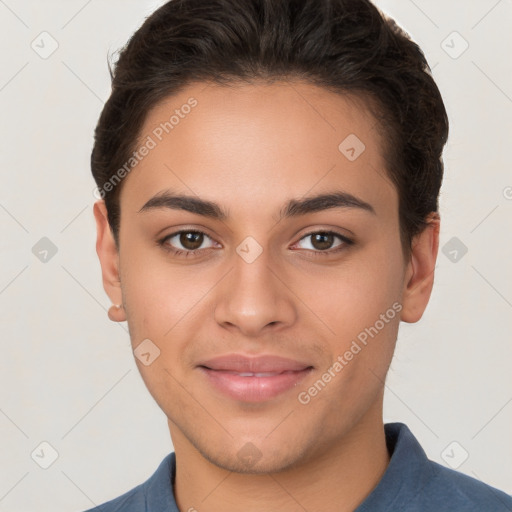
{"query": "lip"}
pixel 226 374
pixel 264 363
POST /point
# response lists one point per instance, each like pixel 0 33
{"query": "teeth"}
pixel 249 374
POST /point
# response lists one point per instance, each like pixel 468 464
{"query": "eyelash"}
pixel 178 252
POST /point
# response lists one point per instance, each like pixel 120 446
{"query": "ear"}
pixel 419 275
pixel 109 260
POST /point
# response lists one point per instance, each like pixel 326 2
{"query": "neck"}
pixel 335 479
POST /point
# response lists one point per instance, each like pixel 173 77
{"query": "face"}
pixel 287 245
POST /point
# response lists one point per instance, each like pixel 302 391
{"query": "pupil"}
pixel 191 239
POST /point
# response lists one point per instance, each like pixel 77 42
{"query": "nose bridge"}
pixel 252 296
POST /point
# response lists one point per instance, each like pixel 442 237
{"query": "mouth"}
pixel 252 374
pixel 249 378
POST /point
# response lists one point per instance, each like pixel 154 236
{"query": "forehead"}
pixel 250 144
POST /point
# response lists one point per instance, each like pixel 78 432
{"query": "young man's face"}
pixel 261 284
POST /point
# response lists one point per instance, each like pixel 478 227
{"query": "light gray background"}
pixel 68 376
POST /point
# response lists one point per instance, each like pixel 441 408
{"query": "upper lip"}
pixel 265 363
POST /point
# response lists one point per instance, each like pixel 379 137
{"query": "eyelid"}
pixel 328 231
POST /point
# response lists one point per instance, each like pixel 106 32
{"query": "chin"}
pixel 251 460
pixel 261 466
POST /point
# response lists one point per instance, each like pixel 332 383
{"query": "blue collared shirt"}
pixel 411 483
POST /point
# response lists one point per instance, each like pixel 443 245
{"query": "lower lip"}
pixel 253 389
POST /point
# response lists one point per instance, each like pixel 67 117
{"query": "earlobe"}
pixel 109 260
pixel 419 277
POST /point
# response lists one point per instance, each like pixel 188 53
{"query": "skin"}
pixel 250 149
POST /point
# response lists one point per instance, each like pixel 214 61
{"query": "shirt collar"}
pixel 407 473
pixel 159 488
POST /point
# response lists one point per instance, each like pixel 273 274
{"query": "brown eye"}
pixel 322 241
pixel 186 242
pixel 191 240
pixel 325 242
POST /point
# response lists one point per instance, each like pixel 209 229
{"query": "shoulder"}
pixel 414 483
pixel 131 501
pixel 158 487
pixel 452 490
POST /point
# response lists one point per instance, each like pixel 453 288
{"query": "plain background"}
pixel 68 376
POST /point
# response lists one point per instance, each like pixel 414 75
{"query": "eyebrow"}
pixel 293 208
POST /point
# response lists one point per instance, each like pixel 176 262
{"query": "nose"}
pixel 255 297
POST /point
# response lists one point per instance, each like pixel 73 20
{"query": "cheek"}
pixel 157 295
pixel 360 303
pixel 351 297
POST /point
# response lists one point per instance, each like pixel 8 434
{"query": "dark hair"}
pixel 346 46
